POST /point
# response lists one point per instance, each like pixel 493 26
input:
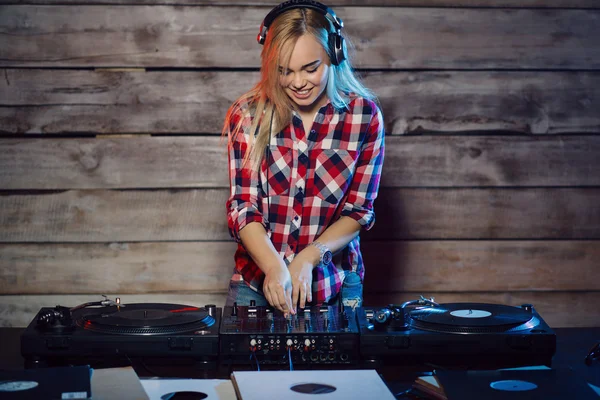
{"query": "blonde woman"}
pixel 306 149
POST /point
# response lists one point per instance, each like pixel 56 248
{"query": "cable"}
pixel 290 357
pixel 256 360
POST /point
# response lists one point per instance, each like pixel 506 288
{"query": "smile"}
pixel 302 94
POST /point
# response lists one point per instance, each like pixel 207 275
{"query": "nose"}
pixel 298 81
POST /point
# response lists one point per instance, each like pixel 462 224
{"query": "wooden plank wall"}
pixel 113 177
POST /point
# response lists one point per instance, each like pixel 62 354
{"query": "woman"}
pixel 305 156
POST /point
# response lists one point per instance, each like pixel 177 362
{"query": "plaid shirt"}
pixel 308 180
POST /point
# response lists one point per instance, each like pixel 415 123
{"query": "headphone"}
pixel 336 41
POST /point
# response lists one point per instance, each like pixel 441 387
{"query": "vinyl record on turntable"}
pixel 145 319
pixel 472 318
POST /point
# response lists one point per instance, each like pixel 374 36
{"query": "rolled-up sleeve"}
pixel 367 175
pixel 244 197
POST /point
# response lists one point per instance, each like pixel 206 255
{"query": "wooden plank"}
pixel 564 213
pixel 135 162
pixel 180 36
pixel 111 216
pixel 199 214
pixel 558 309
pixel 116 268
pixel 338 3
pixel 481 266
pixel 169 102
pixel 405 266
pixel 185 161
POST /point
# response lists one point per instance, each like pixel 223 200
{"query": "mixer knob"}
pixel 252 303
pixel 307 342
pixel 252 342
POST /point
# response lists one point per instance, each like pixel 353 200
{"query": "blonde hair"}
pixel 268 100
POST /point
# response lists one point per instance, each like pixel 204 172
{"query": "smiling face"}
pixel 305 79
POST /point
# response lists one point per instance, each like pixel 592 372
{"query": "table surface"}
pixel 573 344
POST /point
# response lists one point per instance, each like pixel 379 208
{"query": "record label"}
pixel 470 313
pixel 17 386
pixel 513 385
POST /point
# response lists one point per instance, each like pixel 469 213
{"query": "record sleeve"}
pixel 519 384
pixel 317 384
pixel 46 383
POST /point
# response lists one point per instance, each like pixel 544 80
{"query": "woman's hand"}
pixel 277 288
pixel 301 272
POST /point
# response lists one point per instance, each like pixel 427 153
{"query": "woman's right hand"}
pixel 277 288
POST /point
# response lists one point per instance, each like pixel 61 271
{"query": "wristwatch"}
pixel 326 256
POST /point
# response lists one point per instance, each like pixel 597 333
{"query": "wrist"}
pixel 266 269
pixel 309 255
pixel 324 254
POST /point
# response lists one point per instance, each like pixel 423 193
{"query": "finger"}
pixel 302 296
pixel 288 299
pixel 268 296
pixel 295 295
pixel 279 299
pixel 309 292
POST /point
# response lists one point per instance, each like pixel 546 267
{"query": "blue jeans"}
pixel 351 293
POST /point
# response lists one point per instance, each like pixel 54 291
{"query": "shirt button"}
pixel 303 158
pixel 297 122
pixel 313 131
pixel 296 218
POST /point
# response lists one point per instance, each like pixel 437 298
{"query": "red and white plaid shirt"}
pixel 307 181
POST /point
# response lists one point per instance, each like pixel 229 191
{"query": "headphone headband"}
pixel 335 39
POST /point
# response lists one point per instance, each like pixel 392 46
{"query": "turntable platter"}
pixel 145 319
pixel 471 318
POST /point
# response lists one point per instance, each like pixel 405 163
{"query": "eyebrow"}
pixel 310 64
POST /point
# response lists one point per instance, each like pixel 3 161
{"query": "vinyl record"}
pixel 472 318
pixel 145 319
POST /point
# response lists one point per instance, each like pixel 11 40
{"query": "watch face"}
pixel 327 256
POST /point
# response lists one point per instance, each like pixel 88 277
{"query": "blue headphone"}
pixel 336 41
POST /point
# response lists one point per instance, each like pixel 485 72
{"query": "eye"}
pixel 312 71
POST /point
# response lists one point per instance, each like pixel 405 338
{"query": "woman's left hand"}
pixel 301 273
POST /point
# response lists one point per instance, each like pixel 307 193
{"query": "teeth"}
pixel 302 92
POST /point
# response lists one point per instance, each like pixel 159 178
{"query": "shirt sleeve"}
pixel 244 198
pixel 367 175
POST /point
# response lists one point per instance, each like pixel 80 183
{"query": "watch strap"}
pixel 322 250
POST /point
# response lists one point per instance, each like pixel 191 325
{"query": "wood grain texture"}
pixel 127 162
pixel 133 268
pixel 558 309
pixel 206 267
pixel 338 3
pixel 480 266
pixel 564 213
pixel 180 36
pixel 201 162
pixel 199 214
pixel 181 102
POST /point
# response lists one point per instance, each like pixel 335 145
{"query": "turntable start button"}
pixel 181 343
pixel 397 342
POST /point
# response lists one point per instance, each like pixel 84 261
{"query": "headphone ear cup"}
pixel 336 47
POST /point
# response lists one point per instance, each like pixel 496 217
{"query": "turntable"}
pixel 455 335
pixel 105 332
